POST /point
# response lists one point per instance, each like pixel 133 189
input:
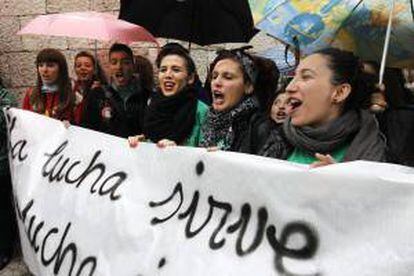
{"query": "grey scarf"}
pixel 359 128
pixel 223 128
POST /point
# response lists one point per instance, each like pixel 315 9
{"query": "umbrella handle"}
pixel 386 44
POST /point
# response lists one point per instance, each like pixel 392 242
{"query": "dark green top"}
pixel 195 135
pixel 304 157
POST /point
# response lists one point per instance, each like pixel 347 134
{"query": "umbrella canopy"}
pixel 356 25
pixel 93 25
pixel 203 22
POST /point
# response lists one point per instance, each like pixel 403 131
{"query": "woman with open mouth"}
pixel 328 121
pixel 174 115
pixel 89 76
pixel 52 96
pixel 279 107
pixel 234 122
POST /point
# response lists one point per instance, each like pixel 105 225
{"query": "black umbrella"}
pixel 200 21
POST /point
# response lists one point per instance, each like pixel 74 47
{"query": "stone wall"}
pixel 17 53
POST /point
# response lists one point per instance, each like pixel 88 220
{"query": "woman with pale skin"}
pixel 326 121
pixel 234 122
pixel 89 76
pixel 52 96
pixel 174 115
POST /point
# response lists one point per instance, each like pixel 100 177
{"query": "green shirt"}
pixel 195 135
pixel 304 157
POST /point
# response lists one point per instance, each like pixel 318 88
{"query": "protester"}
pixel 7 221
pixel 327 123
pixel 119 108
pixel 174 115
pixel 397 120
pixel 278 107
pixel 52 96
pixel 89 76
pixel 234 121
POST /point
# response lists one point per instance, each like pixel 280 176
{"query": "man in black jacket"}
pixel 119 109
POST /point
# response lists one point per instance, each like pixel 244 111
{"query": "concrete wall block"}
pixel 106 5
pixel 80 43
pixel 9 41
pixel 261 42
pixel 70 59
pixel 5 70
pixel 22 69
pixel 37 42
pixel 19 92
pixel 201 58
pixel 21 7
pixel 58 6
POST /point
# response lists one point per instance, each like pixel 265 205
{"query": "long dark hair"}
pixel 348 68
pixel 267 81
pixel 145 71
pixel 66 99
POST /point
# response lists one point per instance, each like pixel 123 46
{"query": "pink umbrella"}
pixel 93 25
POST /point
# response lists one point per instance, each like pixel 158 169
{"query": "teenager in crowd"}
pixel 119 108
pixel 89 76
pixel 52 96
pixel 174 115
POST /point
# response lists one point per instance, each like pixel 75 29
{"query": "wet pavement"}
pixel 15 268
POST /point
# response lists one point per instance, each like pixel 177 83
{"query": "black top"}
pixel 110 113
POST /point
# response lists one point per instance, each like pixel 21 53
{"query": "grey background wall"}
pixel 18 53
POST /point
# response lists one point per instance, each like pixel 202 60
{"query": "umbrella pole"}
pixel 386 44
pixel 96 58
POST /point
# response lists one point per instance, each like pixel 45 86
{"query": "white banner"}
pixel 88 204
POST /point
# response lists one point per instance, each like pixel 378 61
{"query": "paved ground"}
pixel 15 268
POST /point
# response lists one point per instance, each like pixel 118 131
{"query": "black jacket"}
pixel 109 113
pixel 254 137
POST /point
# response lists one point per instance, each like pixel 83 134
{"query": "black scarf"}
pixel 171 117
pixel 222 129
pixel 359 128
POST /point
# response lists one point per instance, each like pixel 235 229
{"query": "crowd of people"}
pixel 320 116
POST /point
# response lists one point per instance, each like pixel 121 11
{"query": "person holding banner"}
pixel 174 115
pixel 52 96
pixel 234 122
pixel 328 122
pixel 119 108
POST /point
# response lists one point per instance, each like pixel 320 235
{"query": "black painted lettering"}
pixel 177 190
